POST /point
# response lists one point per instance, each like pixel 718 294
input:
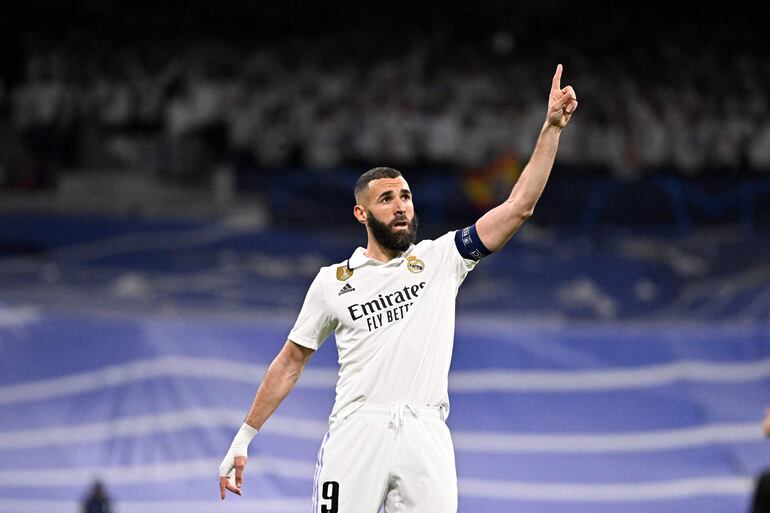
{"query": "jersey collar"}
pixel 359 259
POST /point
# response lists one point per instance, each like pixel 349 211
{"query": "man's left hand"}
pixel 562 101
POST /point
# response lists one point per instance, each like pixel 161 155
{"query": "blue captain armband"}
pixel 469 244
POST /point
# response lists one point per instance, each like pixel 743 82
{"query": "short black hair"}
pixel 374 174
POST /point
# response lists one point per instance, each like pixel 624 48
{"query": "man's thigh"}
pixel 353 465
pixel 424 479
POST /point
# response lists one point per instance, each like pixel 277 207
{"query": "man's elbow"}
pixel 518 217
pixel 521 206
pixel 525 214
pixel 520 211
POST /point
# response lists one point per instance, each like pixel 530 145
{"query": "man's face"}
pixel 390 213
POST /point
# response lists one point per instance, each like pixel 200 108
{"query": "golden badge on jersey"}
pixel 344 272
pixel 414 264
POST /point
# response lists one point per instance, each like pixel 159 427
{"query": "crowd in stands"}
pixel 183 108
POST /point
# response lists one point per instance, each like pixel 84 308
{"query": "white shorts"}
pixel 399 456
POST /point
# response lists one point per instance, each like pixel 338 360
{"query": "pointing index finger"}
pixel 556 83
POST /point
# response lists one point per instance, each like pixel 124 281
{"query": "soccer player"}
pixel 392 309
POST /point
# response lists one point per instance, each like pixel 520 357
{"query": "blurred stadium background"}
pixel 173 174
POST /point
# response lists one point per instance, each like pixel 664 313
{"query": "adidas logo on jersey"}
pixel 347 288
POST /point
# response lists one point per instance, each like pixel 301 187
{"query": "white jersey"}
pixel 394 323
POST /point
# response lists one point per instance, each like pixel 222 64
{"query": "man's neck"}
pixel 377 252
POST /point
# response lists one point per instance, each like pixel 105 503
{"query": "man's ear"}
pixel 360 213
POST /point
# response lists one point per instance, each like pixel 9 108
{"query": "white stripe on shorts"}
pixel 318 467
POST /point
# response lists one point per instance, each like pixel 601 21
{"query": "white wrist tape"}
pixel 242 440
pixel 239 447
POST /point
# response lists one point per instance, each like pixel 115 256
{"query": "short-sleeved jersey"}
pixel 394 323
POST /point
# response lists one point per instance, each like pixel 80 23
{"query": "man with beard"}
pixel 391 306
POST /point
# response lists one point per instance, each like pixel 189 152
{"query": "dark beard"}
pixel 390 239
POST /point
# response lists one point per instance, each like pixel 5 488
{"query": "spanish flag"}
pixel 491 184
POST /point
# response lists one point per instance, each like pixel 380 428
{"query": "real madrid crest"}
pixel 414 264
pixel 344 272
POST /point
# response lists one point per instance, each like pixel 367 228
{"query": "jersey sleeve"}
pixel 459 264
pixel 315 321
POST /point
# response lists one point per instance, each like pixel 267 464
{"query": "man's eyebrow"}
pixel 389 192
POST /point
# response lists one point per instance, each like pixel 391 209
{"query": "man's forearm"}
pixel 531 183
pixel 496 227
pixel 278 382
